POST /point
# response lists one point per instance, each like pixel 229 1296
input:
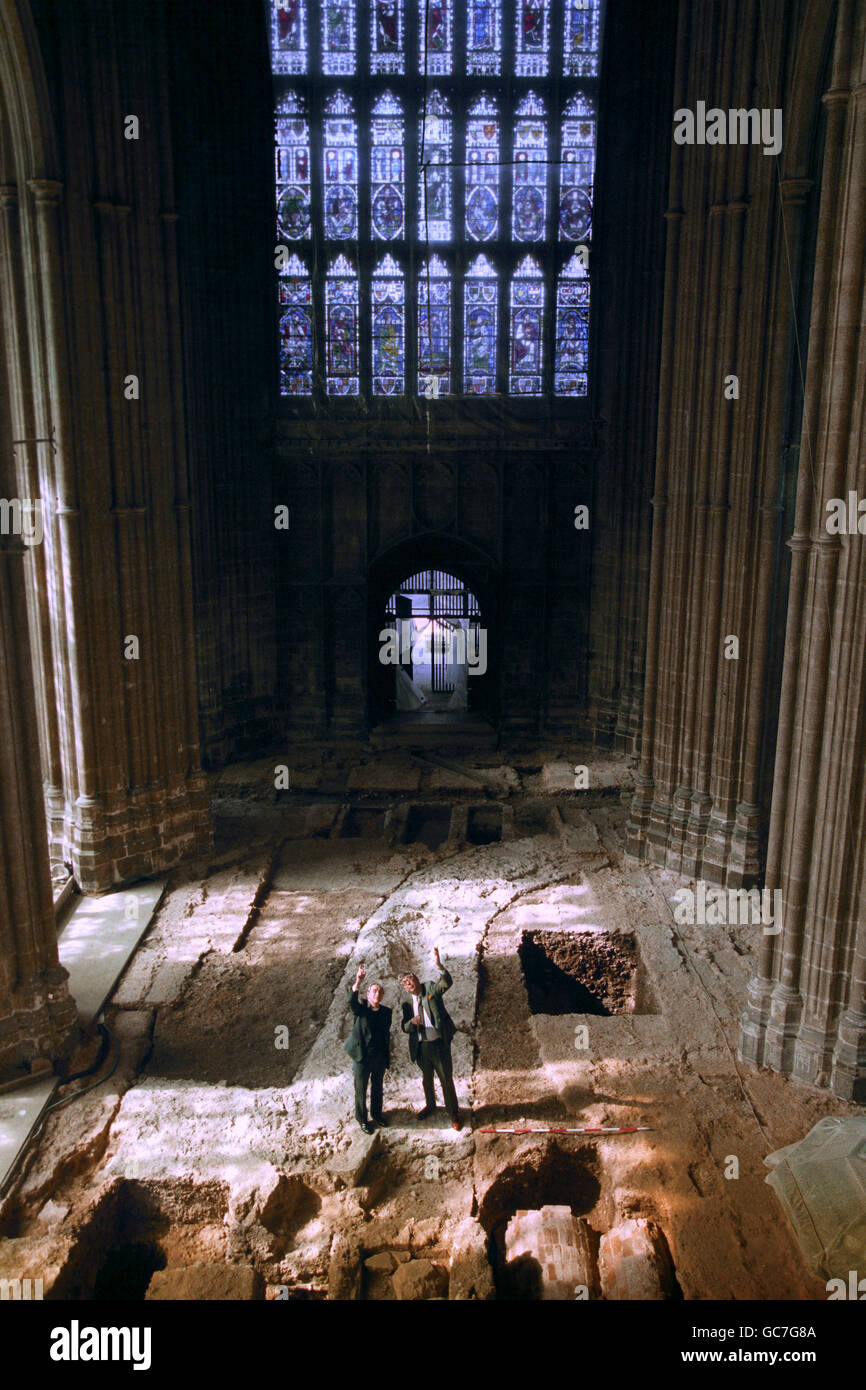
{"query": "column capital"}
pixel 8 195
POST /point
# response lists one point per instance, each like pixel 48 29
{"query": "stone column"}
pixel 805 1012
pixel 30 449
pixel 709 720
pixel 37 1014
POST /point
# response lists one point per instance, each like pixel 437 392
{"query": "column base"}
pixel 751 1044
pixel 147 831
pixel 786 1010
pixel 41 1026
pixel 848 1074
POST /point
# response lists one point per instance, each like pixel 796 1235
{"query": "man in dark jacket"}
pixel 431 1028
pixel 369 1046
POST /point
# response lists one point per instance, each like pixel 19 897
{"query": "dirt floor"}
pixel 224 1144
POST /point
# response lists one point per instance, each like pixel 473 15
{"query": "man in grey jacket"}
pixel 431 1028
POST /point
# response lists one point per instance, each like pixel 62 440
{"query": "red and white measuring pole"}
pixel 611 1129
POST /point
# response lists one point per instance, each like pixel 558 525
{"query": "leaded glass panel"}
pixel 482 171
pixel 389 293
pixel 296 329
pixel 341 170
pixel 341 329
pixel 434 328
pixel 480 310
pixel 527 323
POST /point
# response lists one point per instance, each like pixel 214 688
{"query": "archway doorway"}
pixel 433 624
pixel 435 643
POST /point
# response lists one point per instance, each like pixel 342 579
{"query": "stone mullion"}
pixel 128 725
pixel 670 814
pixel 712 588
pixel 752 711
pixel 70 589
pixel 831 909
pixel 143 524
pixel 830 840
pixel 640 823
pixel 645 780
pixel 670 817
pixel 766 994
pixel 60 514
pixel 713 794
pixel 690 801
pixel 37 1014
pixel 800 540
pixel 814 647
pixel 182 512
pixel 30 486
pixel 708 589
pixel 147 333
pixel 174 649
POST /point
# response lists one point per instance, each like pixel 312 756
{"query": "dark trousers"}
pixel 436 1057
pixel 372 1070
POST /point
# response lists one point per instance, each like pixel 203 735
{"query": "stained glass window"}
pixel 386 36
pixel 479 328
pixel 387 193
pixel 435 172
pixel 434 31
pixel 572 329
pixel 482 171
pixel 292 156
pixel 577 170
pixel 483 36
pixel 296 329
pixel 533 38
pixel 338 36
pixel 434 328
pixel 341 329
pixel 289 36
pixel 341 170
pixel 498 114
pixel 580 47
pixel 527 321
pixel 389 372
pixel 529 212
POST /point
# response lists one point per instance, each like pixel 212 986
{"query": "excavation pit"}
pixel 363 823
pixel 543 1178
pixel 428 825
pixel 531 818
pixel 484 825
pixel 580 972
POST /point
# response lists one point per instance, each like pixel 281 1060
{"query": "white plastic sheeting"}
pixel 821 1183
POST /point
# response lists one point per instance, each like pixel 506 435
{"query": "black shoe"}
pixel 367 1127
pixel 380 1120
